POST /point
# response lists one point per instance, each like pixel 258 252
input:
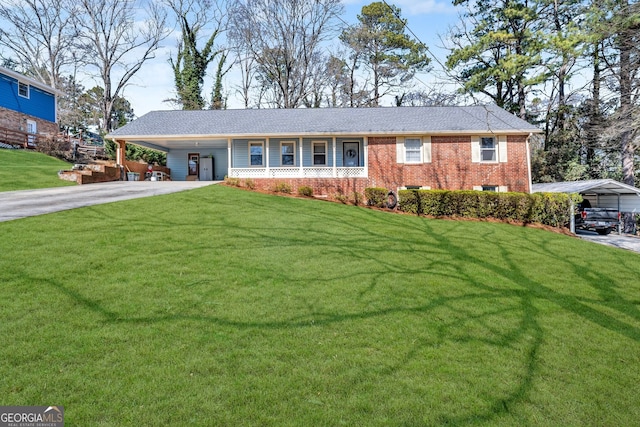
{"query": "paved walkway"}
pixel 21 204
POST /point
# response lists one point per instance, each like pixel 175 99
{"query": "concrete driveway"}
pixel 21 204
pixel 622 241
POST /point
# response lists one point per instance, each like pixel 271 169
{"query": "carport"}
pixel 602 193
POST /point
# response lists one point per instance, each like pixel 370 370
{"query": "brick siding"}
pixel 450 168
pixel 18 121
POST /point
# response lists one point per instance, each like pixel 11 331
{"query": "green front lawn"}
pixel 27 170
pixel 222 307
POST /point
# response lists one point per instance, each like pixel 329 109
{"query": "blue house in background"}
pixel 28 109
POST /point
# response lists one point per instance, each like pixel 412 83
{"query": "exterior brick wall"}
pixel 18 121
pixel 451 167
pixel 329 187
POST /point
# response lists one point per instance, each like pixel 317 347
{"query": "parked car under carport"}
pixel 601 193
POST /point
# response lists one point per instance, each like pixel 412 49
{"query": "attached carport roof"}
pixel 609 192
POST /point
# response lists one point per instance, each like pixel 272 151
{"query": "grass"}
pixel 219 306
pixel 27 170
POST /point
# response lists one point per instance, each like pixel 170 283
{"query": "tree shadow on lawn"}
pixel 508 281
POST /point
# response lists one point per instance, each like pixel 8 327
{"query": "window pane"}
pixel 23 89
pixel 256 154
pixel 319 154
pixel 489 155
pixel 287 148
pixel 287 159
pixel 412 150
pixel 488 143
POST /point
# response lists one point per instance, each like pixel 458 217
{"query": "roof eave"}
pixel 31 82
pixel 317 134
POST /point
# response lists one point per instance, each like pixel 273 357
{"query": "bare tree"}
pixel 40 35
pixel 283 37
pixel 116 44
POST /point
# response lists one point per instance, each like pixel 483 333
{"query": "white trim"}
pixel 365 144
pixel 494 149
pixel 400 150
pixel 477 188
pixel 316 134
pixel 262 144
pixel 293 153
pixel 503 189
pixel 475 151
pixel 426 149
pixel 23 84
pixel 527 147
pixel 326 154
pixel 31 82
pixel 301 154
pixel 418 150
pixel 335 159
pixel 502 148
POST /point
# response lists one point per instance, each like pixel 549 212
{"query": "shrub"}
pixel 250 184
pixel 376 196
pixel 409 201
pixel 357 198
pixel 282 187
pixel 544 208
pixel 305 191
pixel 234 182
pixel 341 198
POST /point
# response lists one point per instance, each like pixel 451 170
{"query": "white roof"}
pixel 594 186
pixel 604 193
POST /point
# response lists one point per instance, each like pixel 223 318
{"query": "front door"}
pixel 194 161
pixel 351 154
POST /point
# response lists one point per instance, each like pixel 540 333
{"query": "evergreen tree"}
pixel 380 43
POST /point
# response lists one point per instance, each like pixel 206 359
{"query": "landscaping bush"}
pixel 357 198
pixel 544 208
pixel 282 187
pixel 250 184
pixel 376 196
pixel 409 201
pixel 234 182
pixel 341 198
pixel 305 191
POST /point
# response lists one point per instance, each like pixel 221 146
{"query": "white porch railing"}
pixel 296 172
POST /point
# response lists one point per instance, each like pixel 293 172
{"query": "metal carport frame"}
pixel 604 193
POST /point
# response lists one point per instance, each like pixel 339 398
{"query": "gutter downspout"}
pixel 529 163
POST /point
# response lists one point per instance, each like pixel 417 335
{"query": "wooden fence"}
pixel 18 138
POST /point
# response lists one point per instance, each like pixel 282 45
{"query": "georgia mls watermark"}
pixel 31 416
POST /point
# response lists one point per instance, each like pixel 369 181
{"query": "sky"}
pixel 427 19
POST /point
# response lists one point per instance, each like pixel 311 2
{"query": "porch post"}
pixel 335 159
pixel 366 156
pixel 266 153
pixel 121 147
pixel 120 152
pixel 229 165
pixel 300 142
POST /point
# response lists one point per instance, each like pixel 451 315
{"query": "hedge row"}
pixel 544 208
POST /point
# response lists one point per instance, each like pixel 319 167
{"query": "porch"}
pixel 299 172
pixel 296 158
